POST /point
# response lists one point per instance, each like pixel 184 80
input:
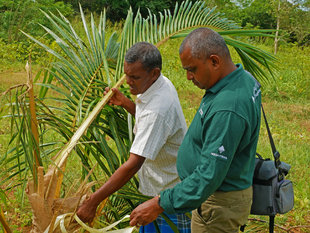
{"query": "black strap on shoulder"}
pixel 275 153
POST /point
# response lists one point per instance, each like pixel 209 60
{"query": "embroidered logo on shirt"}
pixel 200 111
pixel 221 150
pixel 256 91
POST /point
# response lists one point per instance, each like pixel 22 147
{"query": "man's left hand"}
pixel 146 213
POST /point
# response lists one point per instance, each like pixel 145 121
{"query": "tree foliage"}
pixel 16 15
pixel 294 16
pixel 117 10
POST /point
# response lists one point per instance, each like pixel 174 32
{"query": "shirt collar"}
pixel 224 81
pixel 145 96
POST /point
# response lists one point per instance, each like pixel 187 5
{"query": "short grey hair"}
pixel 204 42
pixel 146 53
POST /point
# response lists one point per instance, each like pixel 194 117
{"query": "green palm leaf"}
pixel 186 18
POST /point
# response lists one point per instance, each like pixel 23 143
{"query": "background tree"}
pixel 290 16
pixel 297 24
pixel 117 10
pixel 16 15
pixel 276 39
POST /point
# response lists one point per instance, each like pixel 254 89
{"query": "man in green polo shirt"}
pixel 216 158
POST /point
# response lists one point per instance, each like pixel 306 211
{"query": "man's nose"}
pixel 189 75
pixel 128 80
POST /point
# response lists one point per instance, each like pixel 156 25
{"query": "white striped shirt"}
pixel 159 130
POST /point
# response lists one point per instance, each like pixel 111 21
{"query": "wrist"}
pixel 158 203
pixel 129 105
pixel 94 201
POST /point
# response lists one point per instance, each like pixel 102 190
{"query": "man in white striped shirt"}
pixel 159 130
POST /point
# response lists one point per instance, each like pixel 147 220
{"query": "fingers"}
pixel 146 212
pixel 115 90
pixel 106 90
pixel 138 218
pixel 85 218
pixel 134 221
pixel 85 212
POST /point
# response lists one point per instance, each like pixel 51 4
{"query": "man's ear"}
pixel 155 73
pixel 215 60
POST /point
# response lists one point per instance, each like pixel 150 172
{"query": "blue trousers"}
pixel 182 222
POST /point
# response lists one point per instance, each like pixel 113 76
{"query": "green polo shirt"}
pixel 218 151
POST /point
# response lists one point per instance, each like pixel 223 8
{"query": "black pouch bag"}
pixel 272 193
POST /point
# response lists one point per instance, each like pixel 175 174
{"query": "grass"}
pixel 286 102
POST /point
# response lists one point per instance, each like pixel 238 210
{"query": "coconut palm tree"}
pixel 76 111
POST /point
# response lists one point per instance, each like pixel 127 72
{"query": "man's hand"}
pixel 118 98
pixel 146 213
pixel 87 211
pixel 121 100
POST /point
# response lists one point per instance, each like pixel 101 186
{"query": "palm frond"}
pixel 185 19
pixel 186 16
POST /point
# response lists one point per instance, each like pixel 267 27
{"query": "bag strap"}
pixel 271 224
pixel 277 163
pixel 258 166
pixel 275 153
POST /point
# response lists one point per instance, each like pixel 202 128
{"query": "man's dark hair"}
pixel 145 53
pixel 204 42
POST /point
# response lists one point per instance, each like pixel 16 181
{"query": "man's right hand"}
pixel 87 211
pixel 118 98
pixel 121 100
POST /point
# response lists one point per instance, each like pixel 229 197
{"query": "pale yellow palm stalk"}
pixel 34 123
pixel 62 157
pixel 54 176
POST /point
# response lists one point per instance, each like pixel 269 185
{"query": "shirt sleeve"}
pixel 217 152
pixel 151 134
